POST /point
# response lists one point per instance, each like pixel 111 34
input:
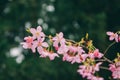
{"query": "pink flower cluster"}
pixel 90 67
pixel 115 68
pixel 88 70
pixel 83 52
pixel 115 71
pixel 37 42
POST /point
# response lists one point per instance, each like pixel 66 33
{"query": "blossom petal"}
pixel 39 28
pixel 61 35
pixel 39 49
pixel 33 30
pixel 109 33
pixel 111 38
pixel 44 44
pixel 116 37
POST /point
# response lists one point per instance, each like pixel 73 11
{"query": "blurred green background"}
pixel 74 18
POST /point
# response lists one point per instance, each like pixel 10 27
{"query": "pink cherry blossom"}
pixel 80 56
pixel 70 54
pixel 29 39
pixel 112 36
pixel 40 45
pixel 67 57
pixel 37 33
pixel 112 67
pixel 29 43
pixel 95 54
pixel 115 71
pixel 84 70
pixel 49 54
pixel 58 40
pixel 88 70
pixel 74 54
pixel 63 49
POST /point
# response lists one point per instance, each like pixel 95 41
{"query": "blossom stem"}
pixel 70 41
pixel 102 67
pixel 107 59
pixel 100 60
pixel 109 47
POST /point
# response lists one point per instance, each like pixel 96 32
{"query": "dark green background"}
pixel 74 18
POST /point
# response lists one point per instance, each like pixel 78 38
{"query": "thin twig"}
pixel 107 59
pixel 100 60
pixel 102 67
pixel 108 47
